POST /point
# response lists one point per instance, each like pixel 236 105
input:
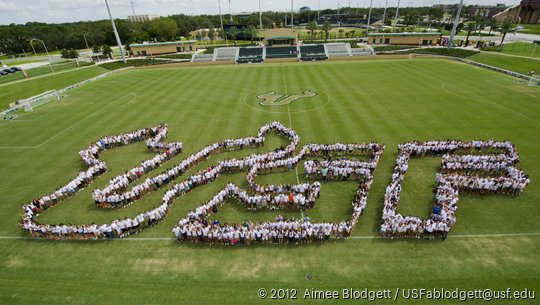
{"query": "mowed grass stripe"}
pixel 368 100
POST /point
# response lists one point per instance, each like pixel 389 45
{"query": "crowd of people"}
pixel 477 166
pixel 116 194
pixel 197 228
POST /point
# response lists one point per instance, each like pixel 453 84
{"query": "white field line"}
pixel 73 125
pixel 290 126
pixel 485 101
pixel 359 237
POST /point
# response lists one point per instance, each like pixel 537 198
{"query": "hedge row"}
pixel 133 63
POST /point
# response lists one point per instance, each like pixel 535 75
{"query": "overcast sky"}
pixel 57 11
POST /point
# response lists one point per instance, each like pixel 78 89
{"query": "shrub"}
pixel 133 63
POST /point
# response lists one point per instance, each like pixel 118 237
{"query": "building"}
pixel 157 48
pixel 446 8
pixel 204 34
pixel 142 18
pixel 416 39
pixel 281 37
pixel 486 11
pixel 528 11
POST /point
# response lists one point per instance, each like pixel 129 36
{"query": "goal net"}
pixel 534 81
pixel 38 100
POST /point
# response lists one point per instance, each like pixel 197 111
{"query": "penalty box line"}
pixel 97 112
pixel 359 237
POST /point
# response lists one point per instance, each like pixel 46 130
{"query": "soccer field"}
pixel 495 243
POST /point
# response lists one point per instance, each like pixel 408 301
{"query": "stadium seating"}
pixel 281 52
pixel 312 52
pixel 362 51
pixel 225 54
pixel 338 49
pixel 202 57
pixel 250 55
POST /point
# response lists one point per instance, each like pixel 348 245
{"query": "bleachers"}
pixel 223 54
pixel 281 52
pixel 338 49
pixel 202 57
pixel 250 55
pixel 312 52
pixel 362 51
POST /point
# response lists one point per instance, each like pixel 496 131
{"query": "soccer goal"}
pixel 38 100
pixel 534 81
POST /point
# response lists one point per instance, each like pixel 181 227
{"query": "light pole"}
pixel 44 46
pixel 397 14
pixel 292 14
pixel 116 33
pixel 454 27
pixel 230 13
pixel 384 14
pixel 260 16
pixel 369 17
pixel 319 11
pixel 536 43
pixel 86 41
pixel 221 21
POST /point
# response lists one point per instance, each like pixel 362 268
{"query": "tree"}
pixel 107 50
pixel 127 49
pixel 326 28
pixel 341 33
pixel 212 32
pixel 480 22
pixel 312 27
pixel 471 27
pixel 163 29
pixel 505 28
pixel 491 23
pixel 96 49
pixel 70 53
pixel 233 31
pixel 252 31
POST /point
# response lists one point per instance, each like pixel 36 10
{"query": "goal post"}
pixel 38 100
pixel 534 81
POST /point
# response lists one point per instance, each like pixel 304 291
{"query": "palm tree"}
pixel 505 28
pixel 312 27
pixel 252 32
pixel 326 29
pixel 491 23
pixel 234 33
pixel 471 27
pixel 341 32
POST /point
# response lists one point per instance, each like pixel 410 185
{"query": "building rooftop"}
pixel 407 34
pixel 154 44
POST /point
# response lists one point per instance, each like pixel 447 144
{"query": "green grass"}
pixel 433 99
pixel 516 64
pixel 177 56
pixel 14 91
pixel 133 63
pixel 521 49
pixel 531 29
pixel 43 70
pixel 21 61
pixel 391 48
